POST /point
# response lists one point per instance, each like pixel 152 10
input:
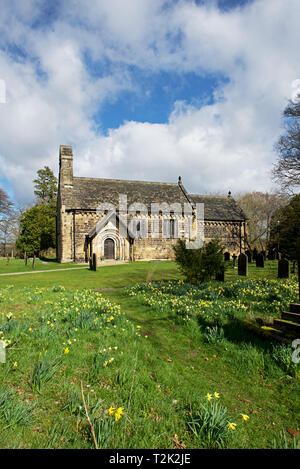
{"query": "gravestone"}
pixel 271 255
pixel 255 253
pixel 33 262
pixel 94 262
pixel 283 268
pixel 277 256
pixel 220 276
pixel 91 263
pixel 249 255
pixel 227 256
pixel 260 260
pixel 234 260
pixel 243 264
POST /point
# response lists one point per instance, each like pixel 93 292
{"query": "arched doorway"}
pixel 109 248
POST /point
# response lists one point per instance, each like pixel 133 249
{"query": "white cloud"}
pixel 51 96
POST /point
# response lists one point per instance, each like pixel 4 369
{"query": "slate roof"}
pixel 219 208
pixel 88 193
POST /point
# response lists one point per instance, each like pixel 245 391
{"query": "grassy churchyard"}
pixel 153 362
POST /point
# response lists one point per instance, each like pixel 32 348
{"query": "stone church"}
pixel 91 220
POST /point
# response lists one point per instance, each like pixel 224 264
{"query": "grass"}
pixel 115 276
pixel 18 265
pixel 139 358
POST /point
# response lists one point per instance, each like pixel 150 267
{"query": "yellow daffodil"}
pixel 15 365
pixel 66 351
pixel 111 410
pixel 216 395
pixel 245 417
pixel 118 413
pixel 231 426
pixel 208 397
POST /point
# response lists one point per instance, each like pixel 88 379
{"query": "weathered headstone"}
pixel 220 276
pixel 260 260
pixel 243 264
pixel 94 262
pixel 91 263
pixel 283 268
pixel 33 262
pixel 227 256
pixel 271 255
pixel 254 256
pixel 234 256
pixel 249 255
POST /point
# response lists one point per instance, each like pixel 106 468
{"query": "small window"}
pixel 172 228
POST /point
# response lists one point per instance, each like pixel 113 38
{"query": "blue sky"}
pixel 155 98
pixel 146 89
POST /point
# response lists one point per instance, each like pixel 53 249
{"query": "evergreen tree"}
pixel 37 230
pixel 199 265
pixel 46 186
pixel 38 223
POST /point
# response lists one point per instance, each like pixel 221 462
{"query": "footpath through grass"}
pixel 18 265
pixel 146 367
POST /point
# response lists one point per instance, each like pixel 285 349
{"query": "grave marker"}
pixel 243 264
pixel 249 255
pixel 94 262
pixel 260 260
pixel 227 256
pixel 283 268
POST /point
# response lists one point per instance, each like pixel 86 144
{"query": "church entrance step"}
pixel 287 325
pixel 295 308
pixel 294 317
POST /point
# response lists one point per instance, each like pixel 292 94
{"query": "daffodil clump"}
pixel 211 424
pixel 62 315
pixel 213 302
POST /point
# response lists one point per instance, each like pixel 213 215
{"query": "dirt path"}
pixel 86 266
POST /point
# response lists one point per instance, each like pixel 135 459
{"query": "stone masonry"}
pixel 83 229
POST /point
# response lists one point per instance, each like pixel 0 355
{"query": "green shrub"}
pixel 200 265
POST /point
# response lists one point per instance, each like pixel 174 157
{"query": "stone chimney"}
pixel 65 165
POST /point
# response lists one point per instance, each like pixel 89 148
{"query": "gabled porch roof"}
pixel 101 223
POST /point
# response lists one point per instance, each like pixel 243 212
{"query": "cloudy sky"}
pixel 146 89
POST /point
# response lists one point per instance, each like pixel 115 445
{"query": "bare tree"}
pixel 8 220
pixel 286 171
pixel 259 208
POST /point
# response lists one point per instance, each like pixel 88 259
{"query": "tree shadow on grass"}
pixel 236 332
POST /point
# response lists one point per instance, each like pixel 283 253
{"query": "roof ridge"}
pixel 125 180
pixel 211 196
